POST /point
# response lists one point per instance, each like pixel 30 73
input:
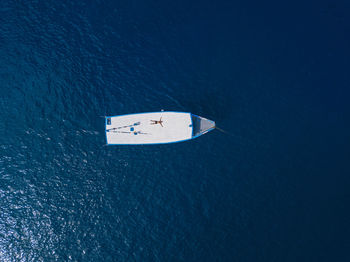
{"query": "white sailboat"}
pixel 155 128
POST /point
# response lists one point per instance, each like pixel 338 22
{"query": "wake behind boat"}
pixel 155 128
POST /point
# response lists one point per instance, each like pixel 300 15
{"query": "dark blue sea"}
pixel 274 75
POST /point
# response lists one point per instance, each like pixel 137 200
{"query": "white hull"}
pixel 145 128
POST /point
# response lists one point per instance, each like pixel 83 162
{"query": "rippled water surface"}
pixel 275 77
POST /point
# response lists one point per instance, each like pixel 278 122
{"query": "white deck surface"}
pixel 137 128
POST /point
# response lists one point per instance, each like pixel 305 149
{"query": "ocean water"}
pixel 274 75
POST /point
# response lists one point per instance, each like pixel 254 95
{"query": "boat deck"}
pixel 142 128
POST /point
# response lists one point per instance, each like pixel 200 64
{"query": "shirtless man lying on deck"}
pixel 155 122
